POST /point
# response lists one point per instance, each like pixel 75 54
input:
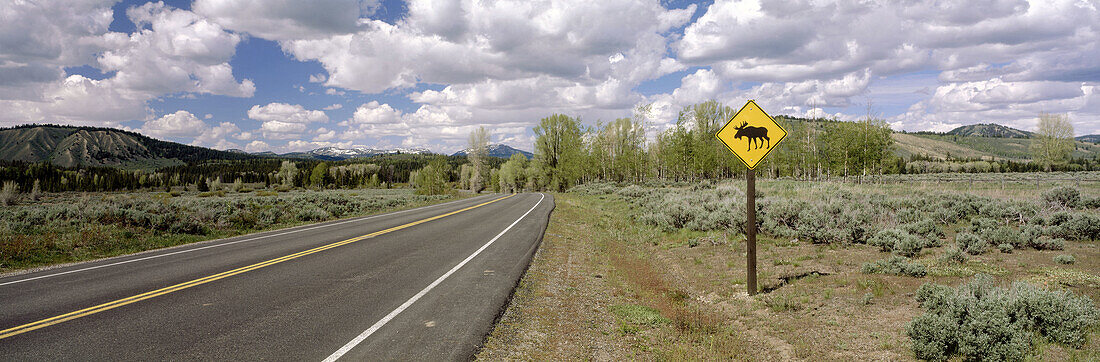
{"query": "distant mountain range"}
pixel 989 130
pixel 499 150
pixel 340 154
pixel 69 146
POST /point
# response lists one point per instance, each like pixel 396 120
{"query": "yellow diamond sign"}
pixel 751 134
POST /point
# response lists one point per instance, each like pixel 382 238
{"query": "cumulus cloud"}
pixel 174 51
pixel 505 64
pixel 285 121
pixel 465 42
pixel 179 124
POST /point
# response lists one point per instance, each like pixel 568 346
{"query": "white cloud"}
pixel 462 42
pixel 257 146
pixel 174 51
pixel 179 124
pixel 41 37
pixel 333 107
pixel 290 113
pixel 180 52
pixel 218 136
pixel 285 121
pixel 374 113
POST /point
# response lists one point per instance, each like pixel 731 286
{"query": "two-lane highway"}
pixel 421 284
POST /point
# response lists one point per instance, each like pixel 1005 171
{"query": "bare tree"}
pixel 477 152
pixel 1053 140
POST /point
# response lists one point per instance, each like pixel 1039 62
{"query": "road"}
pixel 421 284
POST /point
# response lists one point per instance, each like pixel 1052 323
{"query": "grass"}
pixel 562 311
pixel 72 227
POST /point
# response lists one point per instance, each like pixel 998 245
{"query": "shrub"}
pixel 953 254
pixel 1005 248
pixel 897 241
pixel 1062 197
pixel 895 265
pixel 1090 203
pixel 1059 218
pixel 925 228
pixel 1082 227
pixel 1064 259
pixel 1046 243
pixel 980 225
pixel 1003 235
pixel 980 321
pixel 971 243
pixel 1029 233
pixel 594 188
pixel 8 193
pixel 632 191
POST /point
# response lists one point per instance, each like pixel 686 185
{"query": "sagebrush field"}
pixel 67 227
pixel 657 271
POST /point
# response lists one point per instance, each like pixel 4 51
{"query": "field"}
pixel 657 272
pixel 69 227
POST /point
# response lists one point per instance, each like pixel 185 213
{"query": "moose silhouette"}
pixel 757 134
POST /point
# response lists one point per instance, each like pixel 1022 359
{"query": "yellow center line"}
pixel 162 291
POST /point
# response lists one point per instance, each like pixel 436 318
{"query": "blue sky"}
pixel 283 75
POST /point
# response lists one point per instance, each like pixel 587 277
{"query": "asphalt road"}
pixel 423 284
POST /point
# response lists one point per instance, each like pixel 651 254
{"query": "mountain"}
pixel 1092 138
pixel 989 130
pixel 339 154
pixel 70 146
pixel 502 151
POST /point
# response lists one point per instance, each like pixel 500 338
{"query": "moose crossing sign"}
pixel 751 134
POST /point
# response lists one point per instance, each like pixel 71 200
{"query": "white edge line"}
pixel 227 243
pixel 377 325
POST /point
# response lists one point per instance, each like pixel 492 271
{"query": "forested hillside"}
pixel 69 146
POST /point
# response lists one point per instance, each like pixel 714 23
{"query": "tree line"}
pixel 568 152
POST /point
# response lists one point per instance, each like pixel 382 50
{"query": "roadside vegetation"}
pixel 69 227
pixel 848 271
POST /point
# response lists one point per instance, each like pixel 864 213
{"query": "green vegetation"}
pixel 75 227
pixel 1065 259
pixel 835 284
pixel 1054 140
pixel 895 265
pixel 980 321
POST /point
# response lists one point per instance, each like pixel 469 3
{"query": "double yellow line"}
pixel 181 286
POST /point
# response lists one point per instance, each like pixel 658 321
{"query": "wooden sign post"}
pixel 751 134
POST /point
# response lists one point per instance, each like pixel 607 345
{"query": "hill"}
pixel 975 147
pixel 69 146
pixel 502 151
pixel 1092 138
pixel 989 130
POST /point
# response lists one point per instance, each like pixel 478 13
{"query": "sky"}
pixel 290 75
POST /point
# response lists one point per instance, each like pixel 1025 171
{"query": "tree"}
pixel 559 151
pixel 1053 140
pixel 318 177
pixel 512 176
pixel 477 152
pixel 432 179
pixel 9 193
pixel 287 171
pixel 36 191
